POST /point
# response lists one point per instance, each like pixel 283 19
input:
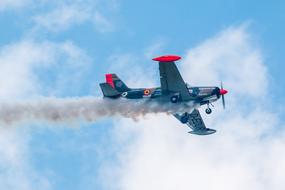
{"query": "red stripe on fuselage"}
pixel 109 80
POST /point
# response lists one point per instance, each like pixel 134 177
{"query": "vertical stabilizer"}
pixel 115 82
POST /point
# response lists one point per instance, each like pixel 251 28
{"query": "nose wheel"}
pixel 208 111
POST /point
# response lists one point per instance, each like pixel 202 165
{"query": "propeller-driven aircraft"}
pixel 173 89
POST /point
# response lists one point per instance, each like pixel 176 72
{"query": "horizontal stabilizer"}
pixel 108 90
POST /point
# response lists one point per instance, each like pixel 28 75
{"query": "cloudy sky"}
pixel 62 49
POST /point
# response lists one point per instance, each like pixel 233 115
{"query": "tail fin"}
pixel 115 82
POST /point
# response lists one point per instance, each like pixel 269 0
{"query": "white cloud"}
pixel 16 63
pixel 22 69
pixel 58 16
pixel 139 75
pixel 247 151
pixel 155 49
pixel 16 173
pixel 19 61
pixel 62 16
pixel 234 60
pixel 13 4
pixel 101 22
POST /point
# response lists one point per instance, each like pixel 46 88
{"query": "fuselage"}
pixel 198 95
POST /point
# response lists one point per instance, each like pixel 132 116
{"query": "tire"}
pixel 208 111
pixel 185 118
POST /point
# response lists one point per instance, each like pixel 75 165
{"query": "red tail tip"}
pixel 109 79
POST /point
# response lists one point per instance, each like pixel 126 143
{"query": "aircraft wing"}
pixel 196 123
pixel 170 78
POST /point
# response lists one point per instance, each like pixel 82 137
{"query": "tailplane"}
pixel 109 91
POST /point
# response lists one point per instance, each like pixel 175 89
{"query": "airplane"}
pixel 173 89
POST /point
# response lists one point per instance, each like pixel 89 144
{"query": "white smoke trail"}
pixel 85 108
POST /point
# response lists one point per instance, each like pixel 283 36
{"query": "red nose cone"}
pixel 223 91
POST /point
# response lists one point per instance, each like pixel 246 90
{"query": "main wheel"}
pixel 208 111
pixel 174 99
pixel 185 118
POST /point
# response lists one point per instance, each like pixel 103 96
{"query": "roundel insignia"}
pixel 146 92
pixel 119 84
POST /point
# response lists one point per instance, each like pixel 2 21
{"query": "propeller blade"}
pixel 224 103
pixel 223 97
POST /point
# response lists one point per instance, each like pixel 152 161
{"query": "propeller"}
pixel 223 92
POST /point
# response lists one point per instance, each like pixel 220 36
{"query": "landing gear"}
pixel 174 99
pixel 185 118
pixel 208 111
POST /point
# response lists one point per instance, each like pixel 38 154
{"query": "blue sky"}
pixel 63 49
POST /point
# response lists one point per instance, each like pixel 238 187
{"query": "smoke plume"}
pixel 86 109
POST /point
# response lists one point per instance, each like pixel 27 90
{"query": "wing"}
pixel 171 80
pixel 196 123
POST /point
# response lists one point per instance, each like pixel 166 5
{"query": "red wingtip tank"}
pixel 167 58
